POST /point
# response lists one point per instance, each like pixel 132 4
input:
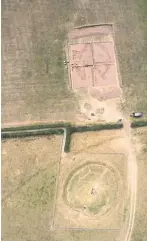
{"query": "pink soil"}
pixel 94 64
pixel 116 92
pixel 81 54
pixel 89 31
pixel 105 75
pixel 104 52
pixel 104 93
pixel 81 77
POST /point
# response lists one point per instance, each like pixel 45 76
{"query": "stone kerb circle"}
pixel 92 188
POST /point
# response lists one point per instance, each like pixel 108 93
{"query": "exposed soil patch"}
pixel 90 52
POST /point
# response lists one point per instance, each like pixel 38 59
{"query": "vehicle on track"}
pixel 136 114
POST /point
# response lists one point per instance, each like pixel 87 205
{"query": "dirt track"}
pixel 132 183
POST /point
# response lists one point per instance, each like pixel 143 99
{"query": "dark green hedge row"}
pixel 66 125
pixel 97 127
pixel 68 139
pixel 136 124
pixel 23 134
pixel 38 126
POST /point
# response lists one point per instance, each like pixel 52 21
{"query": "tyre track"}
pixel 132 183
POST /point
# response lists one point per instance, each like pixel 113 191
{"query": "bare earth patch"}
pixel 92 49
pixel 93 73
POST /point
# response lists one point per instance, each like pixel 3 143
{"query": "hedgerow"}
pixel 38 126
pixel 136 124
pixel 22 134
pixel 96 127
pixel 34 130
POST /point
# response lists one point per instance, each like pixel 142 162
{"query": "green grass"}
pixel 95 207
pixel 27 213
pixel 41 78
pixel 29 182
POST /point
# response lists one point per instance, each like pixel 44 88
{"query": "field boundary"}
pixel 137 124
pixel 94 25
pixel 61 128
pixel 28 133
pixel 87 229
pixel 55 129
pixel 80 129
pixel 37 126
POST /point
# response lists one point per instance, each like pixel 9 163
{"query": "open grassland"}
pixel 84 235
pixel 29 172
pixel 35 81
pixel 106 141
pixel 140 228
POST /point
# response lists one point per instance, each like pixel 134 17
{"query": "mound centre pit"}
pixel 89 190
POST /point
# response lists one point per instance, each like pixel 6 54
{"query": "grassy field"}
pixel 35 82
pixel 29 172
pixel 88 235
pixel 34 79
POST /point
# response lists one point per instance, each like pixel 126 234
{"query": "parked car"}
pixel 136 114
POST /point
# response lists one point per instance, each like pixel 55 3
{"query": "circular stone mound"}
pixel 93 189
